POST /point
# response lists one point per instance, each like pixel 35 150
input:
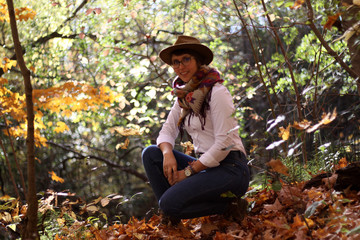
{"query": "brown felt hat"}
pixel 187 42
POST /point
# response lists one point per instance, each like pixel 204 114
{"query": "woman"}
pixel 186 187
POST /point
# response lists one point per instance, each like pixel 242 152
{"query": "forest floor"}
pixel 307 210
pixel 291 213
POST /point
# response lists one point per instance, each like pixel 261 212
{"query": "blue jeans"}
pixel 200 194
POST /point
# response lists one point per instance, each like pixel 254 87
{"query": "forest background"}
pixel 101 94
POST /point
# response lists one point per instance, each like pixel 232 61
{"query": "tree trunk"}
pixel 30 232
pixel 349 20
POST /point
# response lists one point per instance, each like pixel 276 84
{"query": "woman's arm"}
pixel 169 162
pixel 221 114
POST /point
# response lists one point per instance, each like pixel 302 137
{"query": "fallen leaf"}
pixel 343 163
pixel 278 166
pixel 330 181
pixel 276 206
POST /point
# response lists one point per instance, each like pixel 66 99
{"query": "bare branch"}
pixel 104 160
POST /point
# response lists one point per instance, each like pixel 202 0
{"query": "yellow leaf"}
pixel 60 221
pixel 253 148
pixel 328 118
pixel 56 178
pixel 126 131
pixel 5 198
pixel 285 133
pixel 310 222
pixel 61 127
pixel 123 145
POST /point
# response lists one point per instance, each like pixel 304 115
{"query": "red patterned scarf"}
pixel 191 95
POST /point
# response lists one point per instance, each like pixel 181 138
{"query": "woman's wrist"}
pixel 197 166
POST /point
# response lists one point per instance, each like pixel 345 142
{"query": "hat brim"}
pixel 203 50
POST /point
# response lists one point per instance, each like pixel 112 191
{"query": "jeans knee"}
pixel 168 207
pixel 148 151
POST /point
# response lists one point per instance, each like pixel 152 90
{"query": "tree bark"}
pixel 349 20
pixel 30 231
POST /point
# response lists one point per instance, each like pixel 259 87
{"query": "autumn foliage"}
pixel 294 212
pixel 94 66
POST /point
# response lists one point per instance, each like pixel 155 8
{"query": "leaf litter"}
pixel 291 213
pixel 295 211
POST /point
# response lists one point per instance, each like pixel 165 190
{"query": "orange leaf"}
pixel 278 166
pixel 304 124
pixel 297 222
pixel 343 163
pixel 56 178
pixel 326 119
pixel 274 207
pixel 331 20
pixel 297 4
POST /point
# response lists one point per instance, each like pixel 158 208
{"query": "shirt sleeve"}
pixel 170 130
pixel 221 113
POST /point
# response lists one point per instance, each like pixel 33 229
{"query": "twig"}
pixel 330 51
pixel 256 59
pixel 9 169
pixel 15 158
pixel 104 160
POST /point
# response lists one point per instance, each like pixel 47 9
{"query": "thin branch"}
pixel 15 158
pixel 9 169
pixel 104 160
pixel 329 50
pixel 256 59
pixel 287 61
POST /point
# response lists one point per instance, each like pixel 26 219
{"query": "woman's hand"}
pixel 169 167
pixel 169 162
pixel 178 177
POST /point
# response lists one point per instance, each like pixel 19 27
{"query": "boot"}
pixel 237 210
pixel 169 220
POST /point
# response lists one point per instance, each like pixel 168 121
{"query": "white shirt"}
pixel 220 135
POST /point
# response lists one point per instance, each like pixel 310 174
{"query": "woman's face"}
pixel 185 66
